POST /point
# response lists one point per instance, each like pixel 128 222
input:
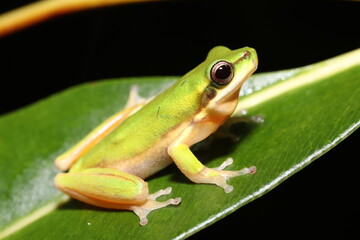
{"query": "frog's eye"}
pixel 222 73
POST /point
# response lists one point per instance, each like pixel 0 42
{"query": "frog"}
pixel 107 168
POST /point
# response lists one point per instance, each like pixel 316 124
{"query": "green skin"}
pixel 152 123
pixel 161 131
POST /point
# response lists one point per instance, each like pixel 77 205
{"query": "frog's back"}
pixel 141 141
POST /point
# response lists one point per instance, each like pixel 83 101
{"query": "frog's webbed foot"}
pixel 151 204
pixel 219 176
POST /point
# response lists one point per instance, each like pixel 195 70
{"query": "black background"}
pixel 172 38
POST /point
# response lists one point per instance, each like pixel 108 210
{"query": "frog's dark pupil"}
pixel 223 72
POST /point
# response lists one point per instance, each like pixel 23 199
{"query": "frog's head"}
pixel 227 70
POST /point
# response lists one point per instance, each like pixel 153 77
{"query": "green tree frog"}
pixel 107 167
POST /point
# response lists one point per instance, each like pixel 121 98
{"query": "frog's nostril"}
pixel 246 55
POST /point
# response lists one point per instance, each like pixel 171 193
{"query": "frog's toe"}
pixel 225 164
pixel 151 204
pixel 228 162
pixel 159 193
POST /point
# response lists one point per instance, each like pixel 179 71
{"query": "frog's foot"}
pixel 219 177
pixel 151 204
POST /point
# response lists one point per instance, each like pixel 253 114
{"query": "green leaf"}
pixel 306 112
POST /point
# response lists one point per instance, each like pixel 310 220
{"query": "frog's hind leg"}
pixel 114 189
pixel 134 103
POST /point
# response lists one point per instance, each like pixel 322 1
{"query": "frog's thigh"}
pixel 103 186
pixel 110 188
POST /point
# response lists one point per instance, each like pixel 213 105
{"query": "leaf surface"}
pixel 306 112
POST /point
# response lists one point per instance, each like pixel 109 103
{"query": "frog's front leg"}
pixel 114 189
pixel 192 168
